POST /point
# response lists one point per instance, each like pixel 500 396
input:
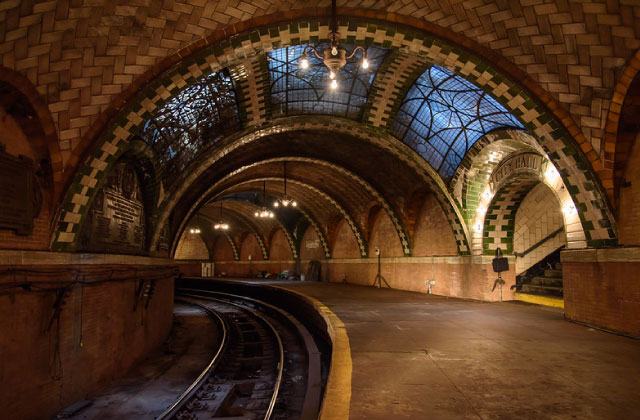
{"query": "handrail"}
pixel 540 242
pixel 189 392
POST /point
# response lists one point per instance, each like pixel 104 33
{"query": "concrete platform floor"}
pixel 418 356
pixel 155 383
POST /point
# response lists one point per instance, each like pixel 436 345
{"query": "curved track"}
pixel 267 365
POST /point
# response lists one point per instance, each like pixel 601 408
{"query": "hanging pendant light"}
pixel 335 57
pixel 264 212
pixel 221 225
pixel 285 201
pixel 195 230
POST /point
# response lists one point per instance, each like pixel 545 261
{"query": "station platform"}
pixel 418 356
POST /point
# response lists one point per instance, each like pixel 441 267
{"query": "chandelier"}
pixel 264 213
pixel 335 57
pixel 285 201
pixel 221 225
pixel 195 230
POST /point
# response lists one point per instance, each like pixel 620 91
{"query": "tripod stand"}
pixel 379 278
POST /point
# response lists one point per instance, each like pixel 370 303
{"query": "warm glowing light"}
pixel 487 194
pixel 334 50
pixel 481 210
pixel 334 84
pixel 365 63
pixel 276 204
pixel 264 213
pixel 569 209
pixel 332 75
pixel 551 174
pixel 304 62
pixel 194 230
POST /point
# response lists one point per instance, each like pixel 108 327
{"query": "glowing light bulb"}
pixel 365 63
pixel 276 204
pixel 304 62
pixel 334 50
pixel 271 214
pixel 332 75
pixel 256 214
pixel 294 204
pixel 334 84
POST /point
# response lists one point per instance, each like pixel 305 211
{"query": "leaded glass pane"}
pixel 447 114
pixel 190 122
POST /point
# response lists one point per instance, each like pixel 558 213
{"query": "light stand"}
pixel 379 278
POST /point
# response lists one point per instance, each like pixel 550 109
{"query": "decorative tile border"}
pixel 234 247
pixel 598 222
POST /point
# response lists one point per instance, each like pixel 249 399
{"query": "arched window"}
pixel 443 115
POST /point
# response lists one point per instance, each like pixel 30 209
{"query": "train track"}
pixel 267 365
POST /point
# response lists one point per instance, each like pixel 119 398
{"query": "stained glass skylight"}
pixel 190 122
pixel 296 91
pixel 442 116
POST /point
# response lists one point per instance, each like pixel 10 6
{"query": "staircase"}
pixel 542 283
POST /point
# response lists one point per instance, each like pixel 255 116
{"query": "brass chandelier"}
pixel 264 213
pixel 285 201
pixel 335 57
pixel 221 225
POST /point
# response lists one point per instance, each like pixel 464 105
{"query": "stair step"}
pixel 546 281
pixel 554 301
pixel 543 290
pixel 558 266
pixel 553 274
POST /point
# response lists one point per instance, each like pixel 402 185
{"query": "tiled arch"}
pixel 584 187
pixel 362 245
pixel 495 228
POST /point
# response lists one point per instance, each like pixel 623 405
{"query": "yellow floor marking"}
pixel 540 300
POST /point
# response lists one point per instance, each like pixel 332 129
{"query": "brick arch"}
pixel 494 224
pixel 617 145
pixel 357 232
pixel 553 127
pixel 43 129
pixel 287 236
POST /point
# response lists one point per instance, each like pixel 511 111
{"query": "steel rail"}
pixel 311 406
pixel 193 388
pixel 280 367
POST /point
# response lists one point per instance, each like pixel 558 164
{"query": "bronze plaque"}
pixel 116 220
pixel 17 198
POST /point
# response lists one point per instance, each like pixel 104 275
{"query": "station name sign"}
pixel 521 162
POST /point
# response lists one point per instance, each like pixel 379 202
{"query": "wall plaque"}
pixel 20 197
pixel 116 220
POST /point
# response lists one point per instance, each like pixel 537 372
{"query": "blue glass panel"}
pixel 297 91
pixel 190 122
pixel 447 114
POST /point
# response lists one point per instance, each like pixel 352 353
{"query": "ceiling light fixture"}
pixel 335 57
pixel 221 225
pixel 264 213
pixel 285 201
pixel 195 230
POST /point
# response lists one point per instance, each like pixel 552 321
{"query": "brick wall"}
pixel 191 247
pixel 538 216
pixel 251 247
pixel 279 248
pixel 629 209
pixel 222 249
pixel 345 245
pixel 429 237
pixel 310 246
pixel 101 335
pixel 602 288
pixel 384 236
